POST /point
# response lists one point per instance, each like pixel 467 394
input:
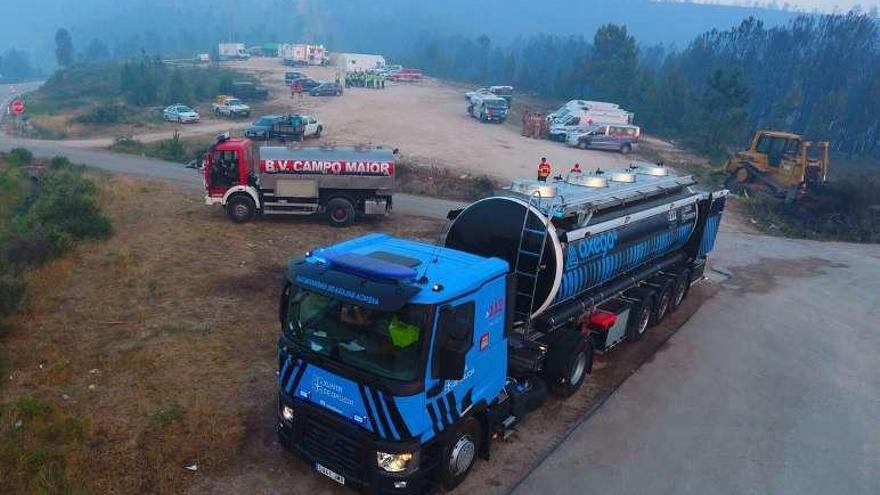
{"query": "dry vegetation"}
pixel 148 352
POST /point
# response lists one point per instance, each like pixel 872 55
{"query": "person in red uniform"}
pixel 576 169
pixel 543 170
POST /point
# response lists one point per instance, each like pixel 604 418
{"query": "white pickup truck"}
pixel 229 106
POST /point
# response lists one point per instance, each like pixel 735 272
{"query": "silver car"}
pixel 614 137
pixel 180 113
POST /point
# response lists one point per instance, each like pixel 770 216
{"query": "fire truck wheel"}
pixel 460 453
pixel 680 289
pixel 340 212
pixel 568 362
pixel 241 208
pixel 640 314
pixel 663 300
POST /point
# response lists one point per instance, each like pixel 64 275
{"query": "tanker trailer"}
pixel 605 254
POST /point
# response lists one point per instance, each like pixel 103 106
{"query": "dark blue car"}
pixel 260 128
pixel 326 89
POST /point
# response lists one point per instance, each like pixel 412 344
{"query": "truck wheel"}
pixel 340 212
pixel 662 302
pixel 640 314
pixel 583 144
pixel 626 149
pixel 241 208
pixel 535 392
pixel 460 453
pixel 680 289
pixel 569 361
pixel 319 131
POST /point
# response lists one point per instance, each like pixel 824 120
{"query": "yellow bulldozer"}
pixel 779 164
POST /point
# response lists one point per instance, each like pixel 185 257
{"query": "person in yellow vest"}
pixel 543 170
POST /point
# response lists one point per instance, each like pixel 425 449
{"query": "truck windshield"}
pixel 387 344
pixel 497 104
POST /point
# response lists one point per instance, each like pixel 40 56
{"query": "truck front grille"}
pixel 329 444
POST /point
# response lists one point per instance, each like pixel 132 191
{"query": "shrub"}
pixel 12 291
pixel 67 210
pixel 127 144
pixel 173 150
pixel 20 156
pixel 103 114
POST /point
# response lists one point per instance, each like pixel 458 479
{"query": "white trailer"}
pixel 232 51
pixel 302 54
pixel 360 62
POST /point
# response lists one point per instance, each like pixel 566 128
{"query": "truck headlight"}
pixel 287 413
pixel 396 463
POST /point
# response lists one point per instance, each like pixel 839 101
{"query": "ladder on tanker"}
pixel 529 255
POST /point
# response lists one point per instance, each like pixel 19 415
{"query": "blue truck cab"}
pixel 391 356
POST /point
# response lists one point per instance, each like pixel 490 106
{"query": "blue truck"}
pixel 399 362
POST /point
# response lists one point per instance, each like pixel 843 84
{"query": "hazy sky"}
pixel 808 5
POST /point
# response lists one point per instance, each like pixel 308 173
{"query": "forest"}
pixel 815 75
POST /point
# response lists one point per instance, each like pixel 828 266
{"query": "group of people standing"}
pixel 364 80
pixel 534 125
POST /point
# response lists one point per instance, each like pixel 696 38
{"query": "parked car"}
pixel 247 90
pixel 296 128
pixel 229 106
pixel 326 89
pixel 615 137
pixel 262 127
pixel 505 92
pixel 477 92
pixel 180 113
pixel 406 75
pixel 289 77
pixel 388 69
pixel 488 108
pixel 308 83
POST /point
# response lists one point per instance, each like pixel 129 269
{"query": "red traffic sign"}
pixel 18 107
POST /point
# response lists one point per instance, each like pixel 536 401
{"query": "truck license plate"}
pixel 330 474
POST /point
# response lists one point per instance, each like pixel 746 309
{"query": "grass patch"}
pixel 35 439
pixel 164 417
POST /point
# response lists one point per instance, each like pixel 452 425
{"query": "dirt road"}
pixel 428 123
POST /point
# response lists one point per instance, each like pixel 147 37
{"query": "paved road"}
pixel 773 387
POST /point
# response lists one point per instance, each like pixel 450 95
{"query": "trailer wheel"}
pixel 340 212
pixel 640 316
pixel 662 301
pixel 241 208
pixel 460 453
pixel 680 288
pixel 569 361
